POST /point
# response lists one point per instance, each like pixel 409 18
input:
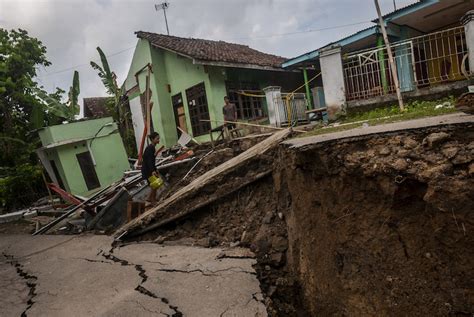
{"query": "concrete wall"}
pixel 333 81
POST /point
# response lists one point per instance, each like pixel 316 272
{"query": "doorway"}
pixel 198 109
pixel 179 114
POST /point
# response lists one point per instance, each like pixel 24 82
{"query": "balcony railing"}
pixel 421 61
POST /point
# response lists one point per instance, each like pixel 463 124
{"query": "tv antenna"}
pixel 163 6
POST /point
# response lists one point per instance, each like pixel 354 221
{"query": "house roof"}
pixel 96 107
pixel 210 52
pixel 421 16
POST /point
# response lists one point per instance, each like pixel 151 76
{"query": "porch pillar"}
pixel 333 80
pixel 272 94
pixel 468 21
pixel 306 85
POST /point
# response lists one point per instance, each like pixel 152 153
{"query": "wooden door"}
pixel 179 114
pixel 198 109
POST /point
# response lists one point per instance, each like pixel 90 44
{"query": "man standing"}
pixel 148 164
pixel 230 113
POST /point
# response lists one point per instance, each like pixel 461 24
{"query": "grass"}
pixel 413 110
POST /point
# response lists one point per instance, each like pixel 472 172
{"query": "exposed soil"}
pixel 383 226
pixel 379 226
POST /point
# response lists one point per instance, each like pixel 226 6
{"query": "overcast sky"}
pixel 72 29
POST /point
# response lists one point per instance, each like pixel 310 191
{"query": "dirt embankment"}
pixel 383 226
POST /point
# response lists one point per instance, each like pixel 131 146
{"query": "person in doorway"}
pixel 148 164
pixel 230 113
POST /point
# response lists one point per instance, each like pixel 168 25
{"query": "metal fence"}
pixel 290 108
pixel 421 61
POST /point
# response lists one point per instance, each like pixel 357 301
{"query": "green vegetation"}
pixel 25 107
pixel 413 110
pixel 116 105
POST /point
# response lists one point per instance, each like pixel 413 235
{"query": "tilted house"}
pixel 433 46
pixel 189 79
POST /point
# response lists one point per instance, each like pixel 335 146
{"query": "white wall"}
pixel 333 81
pixel 137 119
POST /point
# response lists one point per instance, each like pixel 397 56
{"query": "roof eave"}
pixel 237 65
pixel 407 10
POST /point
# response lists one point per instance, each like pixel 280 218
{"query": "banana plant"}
pixel 52 105
pixel 109 79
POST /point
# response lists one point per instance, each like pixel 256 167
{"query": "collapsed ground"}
pixel 375 225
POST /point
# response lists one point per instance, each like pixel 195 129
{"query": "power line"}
pixel 299 32
pixel 84 64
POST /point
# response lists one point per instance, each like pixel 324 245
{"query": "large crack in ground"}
pixel 29 279
pixel 144 277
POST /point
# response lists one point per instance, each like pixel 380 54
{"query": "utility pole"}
pixel 394 5
pixel 163 6
pixel 393 67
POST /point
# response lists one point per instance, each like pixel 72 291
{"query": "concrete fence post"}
pixel 333 80
pixel 468 21
pixel 272 93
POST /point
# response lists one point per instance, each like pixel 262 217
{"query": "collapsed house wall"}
pixel 382 226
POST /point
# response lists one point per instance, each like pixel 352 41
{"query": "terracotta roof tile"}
pixel 212 51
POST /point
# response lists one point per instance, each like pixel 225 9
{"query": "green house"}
pixel 188 79
pixel 83 157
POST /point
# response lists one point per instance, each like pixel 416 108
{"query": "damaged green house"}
pixel 189 79
pixel 83 157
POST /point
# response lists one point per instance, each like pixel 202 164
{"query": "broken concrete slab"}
pixel 84 276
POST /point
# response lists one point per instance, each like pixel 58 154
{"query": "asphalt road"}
pixel 84 276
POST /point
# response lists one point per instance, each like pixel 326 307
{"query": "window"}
pixel 198 109
pixel 248 108
pixel 88 170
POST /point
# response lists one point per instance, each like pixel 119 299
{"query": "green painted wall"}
pixel 106 149
pixel 173 74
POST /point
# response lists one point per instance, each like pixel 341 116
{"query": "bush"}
pixel 21 186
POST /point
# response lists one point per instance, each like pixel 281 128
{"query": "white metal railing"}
pixel 296 105
pixel 421 61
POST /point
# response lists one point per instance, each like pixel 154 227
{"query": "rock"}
pixel 234 244
pixel 409 143
pixel 279 243
pixel 159 240
pixel 188 226
pixel 471 169
pixel 437 171
pixel 384 151
pixel 450 152
pixel 268 218
pixel 280 215
pixel 277 259
pixel 267 268
pixel 435 139
pixel 462 158
pixel 400 164
pixel 204 242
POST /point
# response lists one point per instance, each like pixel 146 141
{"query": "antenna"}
pixel 163 6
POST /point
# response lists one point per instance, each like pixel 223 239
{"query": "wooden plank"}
pixel 202 181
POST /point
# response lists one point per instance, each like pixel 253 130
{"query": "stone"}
pixel 400 164
pixel 409 143
pixel 204 242
pixel 462 158
pixel 277 259
pixel 471 169
pixel 435 139
pixel 437 171
pixel 280 215
pixel 268 218
pixel 234 244
pixel 384 151
pixel 159 240
pixel 279 243
pixel 450 152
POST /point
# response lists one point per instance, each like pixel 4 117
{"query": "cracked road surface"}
pixel 84 276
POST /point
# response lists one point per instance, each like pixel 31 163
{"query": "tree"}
pixel 24 107
pixel 118 105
